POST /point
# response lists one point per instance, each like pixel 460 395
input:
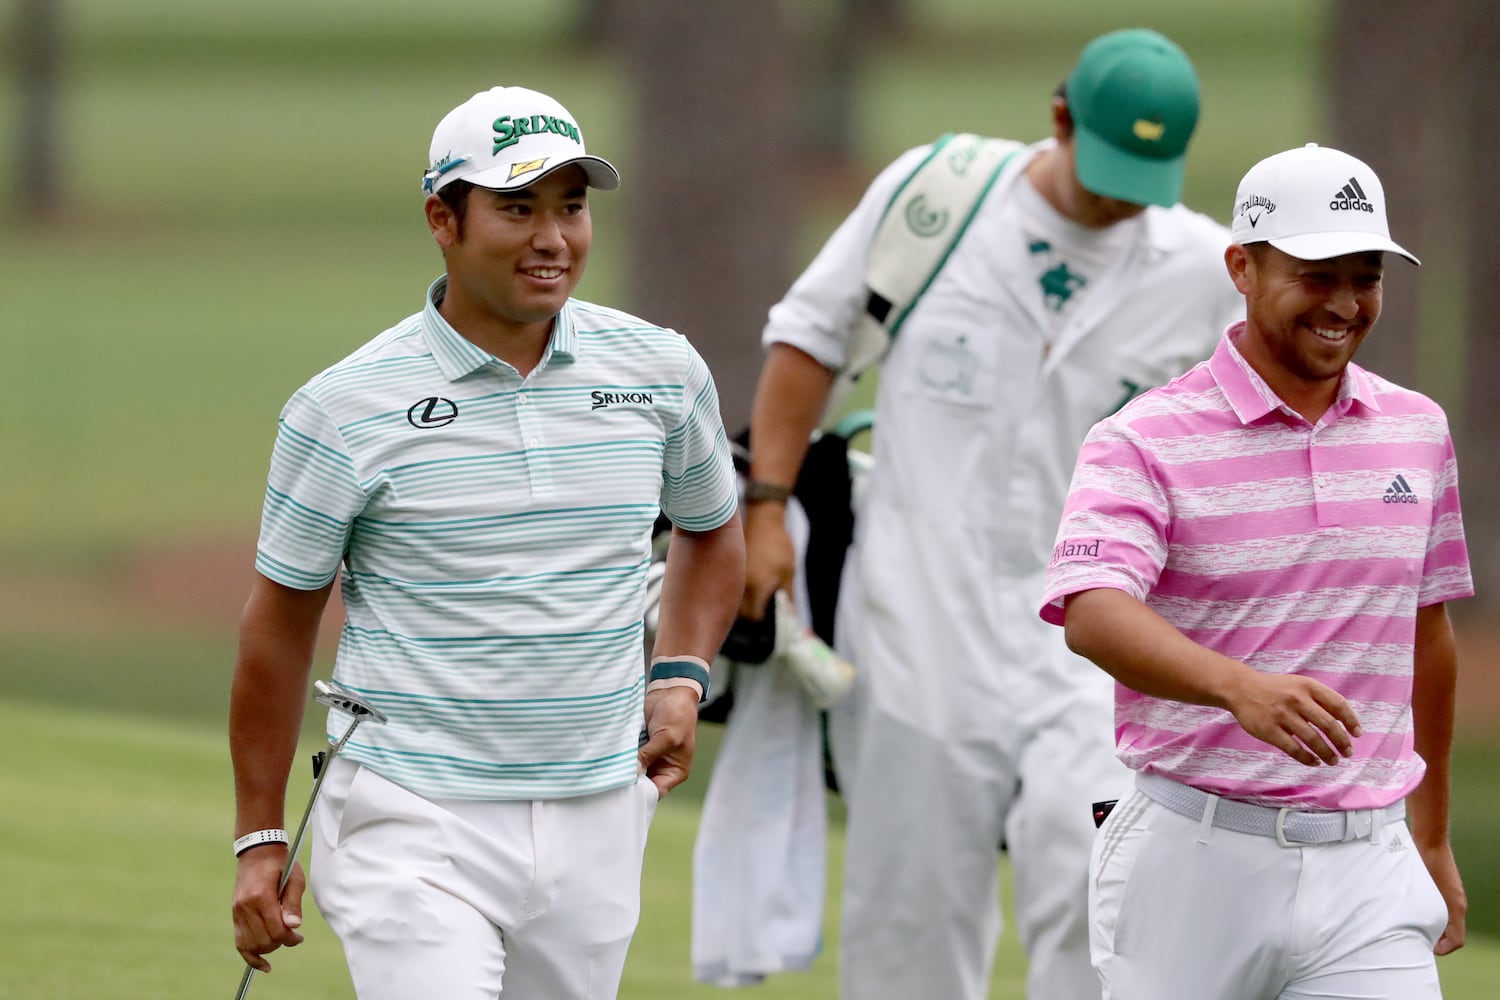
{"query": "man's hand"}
pixel 1444 871
pixel 263 923
pixel 1308 721
pixel 672 734
pixel 770 558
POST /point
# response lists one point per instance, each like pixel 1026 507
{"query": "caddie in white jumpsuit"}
pixel 1078 283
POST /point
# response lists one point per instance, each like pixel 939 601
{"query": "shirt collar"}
pixel 1251 397
pixel 457 356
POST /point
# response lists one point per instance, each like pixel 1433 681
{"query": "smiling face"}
pixel 1304 318
pixel 515 256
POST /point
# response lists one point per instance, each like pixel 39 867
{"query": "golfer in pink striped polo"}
pixel 1260 553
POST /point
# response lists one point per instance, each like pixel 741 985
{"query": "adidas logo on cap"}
pixel 1313 203
pixel 1351 197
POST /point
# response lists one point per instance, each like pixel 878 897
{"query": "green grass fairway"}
pixel 114 851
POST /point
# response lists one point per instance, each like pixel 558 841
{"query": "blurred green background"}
pixel 242 209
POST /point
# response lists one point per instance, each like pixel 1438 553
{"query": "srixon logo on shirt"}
pixel 603 399
pixel 1076 550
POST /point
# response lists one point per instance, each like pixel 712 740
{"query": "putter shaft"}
pixel 320 772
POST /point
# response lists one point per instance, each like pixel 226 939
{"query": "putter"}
pixel 334 695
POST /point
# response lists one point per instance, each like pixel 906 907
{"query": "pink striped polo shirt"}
pixel 1291 547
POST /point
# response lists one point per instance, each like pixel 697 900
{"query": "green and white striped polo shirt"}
pixel 495 535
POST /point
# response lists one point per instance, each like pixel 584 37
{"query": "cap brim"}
pixel 1322 246
pixel 1111 172
pixel 503 177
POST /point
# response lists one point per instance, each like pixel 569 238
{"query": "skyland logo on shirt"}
pixel 1075 550
pixel 604 399
pixel 508 130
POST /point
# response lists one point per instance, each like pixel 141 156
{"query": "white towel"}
pixel 759 863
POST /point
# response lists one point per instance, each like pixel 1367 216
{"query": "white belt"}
pixel 1288 826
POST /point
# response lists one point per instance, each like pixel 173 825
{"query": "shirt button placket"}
pixel 1322 482
pixel 531 433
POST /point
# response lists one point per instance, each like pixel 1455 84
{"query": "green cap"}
pixel 1134 101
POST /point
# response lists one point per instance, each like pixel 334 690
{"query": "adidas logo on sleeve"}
pixel 1351 197
pixel 1400 492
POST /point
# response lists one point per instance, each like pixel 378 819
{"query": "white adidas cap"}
pixel 1313 203
pixel 506 138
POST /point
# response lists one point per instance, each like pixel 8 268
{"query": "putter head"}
pixel 335 695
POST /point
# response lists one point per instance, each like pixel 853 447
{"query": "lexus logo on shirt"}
pixel 434 411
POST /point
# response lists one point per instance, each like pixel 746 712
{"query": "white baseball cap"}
pixel 506 138
pixel 1313 203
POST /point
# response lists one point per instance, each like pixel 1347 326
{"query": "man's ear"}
pixel 1062 119
pixel 441 221
pixel 1241 267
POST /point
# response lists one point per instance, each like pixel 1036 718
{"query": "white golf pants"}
pixel 1184 910
pixel 466 900
pixel 921 911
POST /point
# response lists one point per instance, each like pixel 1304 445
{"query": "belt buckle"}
pixel 1281 815
pixel 1358 823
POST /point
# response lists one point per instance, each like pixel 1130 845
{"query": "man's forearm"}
pixel 1434 682
pixel 789 403
pixel 1145 652
pixel 1302 717
pixel 268 695
pixel 704 581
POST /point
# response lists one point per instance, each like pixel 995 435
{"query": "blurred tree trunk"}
pixel 713 180
pixel 1413 94
pixel 1384 117
pixel 1479 454
pixel 598 21
pixel 836 57
pixel 38 52
pixel 829 111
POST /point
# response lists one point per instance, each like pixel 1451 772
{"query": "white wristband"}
pixel 259 837
pixel 675 682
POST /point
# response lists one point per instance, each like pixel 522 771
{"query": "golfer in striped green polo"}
pixel 487 473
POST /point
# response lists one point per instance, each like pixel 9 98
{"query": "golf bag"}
pixel 825 495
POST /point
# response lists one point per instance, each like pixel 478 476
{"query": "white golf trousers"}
pixel 1184 910
pixel 921 907
pixel 466 900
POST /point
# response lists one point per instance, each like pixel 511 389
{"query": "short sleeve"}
pixel 698 484
pixel 1113 532
pixel 312 498
pixel 1446 574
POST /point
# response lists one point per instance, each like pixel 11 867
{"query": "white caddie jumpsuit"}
pixel 972 723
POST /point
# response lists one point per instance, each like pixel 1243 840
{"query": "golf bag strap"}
pixel 926 218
